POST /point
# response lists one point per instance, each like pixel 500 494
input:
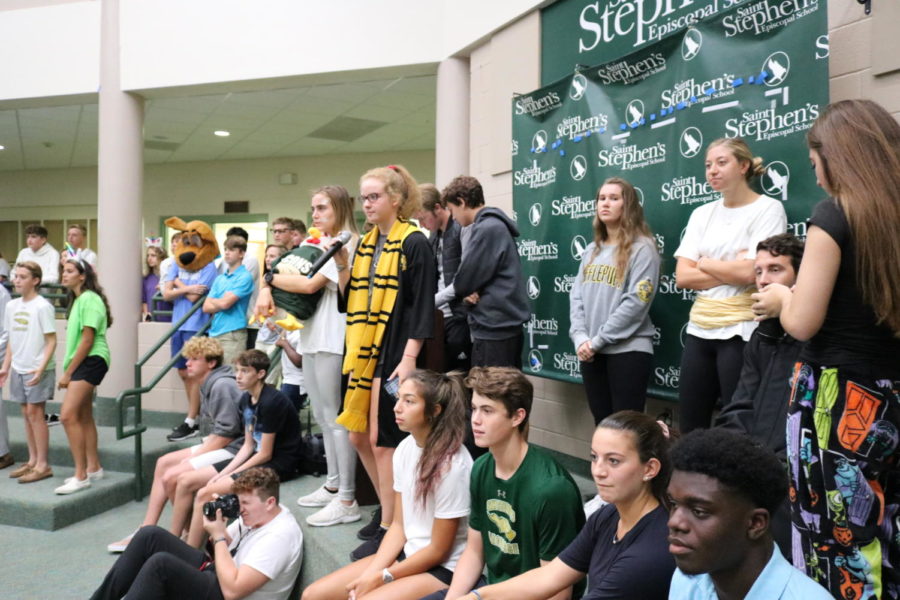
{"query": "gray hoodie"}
pixel 491 267
pixel 615 318
pixel 219 396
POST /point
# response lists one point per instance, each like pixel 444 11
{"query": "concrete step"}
pixel 35 506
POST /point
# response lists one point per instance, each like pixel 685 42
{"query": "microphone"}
pixel 342 238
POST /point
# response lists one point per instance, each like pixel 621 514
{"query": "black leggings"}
pixel 156 564
pixel 614 382
pixel 710 370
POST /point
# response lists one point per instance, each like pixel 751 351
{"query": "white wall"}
pixel 50 51
pixel 200 187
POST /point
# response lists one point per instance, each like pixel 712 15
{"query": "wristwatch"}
pixel 268 277
pixel 386 576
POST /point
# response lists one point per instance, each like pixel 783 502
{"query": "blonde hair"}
pixel 400 186
pixel 743 154
pixel 342 205
pixel 205 348
pixel 632 226
pixel 858 143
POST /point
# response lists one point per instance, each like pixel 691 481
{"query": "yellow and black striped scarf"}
pixel 367 320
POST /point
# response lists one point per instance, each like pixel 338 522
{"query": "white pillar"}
pixel 120 174
pixel 451 154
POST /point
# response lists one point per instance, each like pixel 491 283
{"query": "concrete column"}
pixel 452 121
pixel 120 175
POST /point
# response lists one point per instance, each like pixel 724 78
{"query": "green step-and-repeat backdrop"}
pixel 703 69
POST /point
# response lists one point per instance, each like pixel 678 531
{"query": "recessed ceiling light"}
pixel 222 133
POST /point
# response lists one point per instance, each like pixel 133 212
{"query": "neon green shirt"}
pixel 88 310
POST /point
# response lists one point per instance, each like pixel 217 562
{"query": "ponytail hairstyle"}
pixel 90 283
pixel 342 205
pixel 858 143
pixel 743 154
pixel 652 439
pixel 632 226
pixel 448 425
pixel 400 186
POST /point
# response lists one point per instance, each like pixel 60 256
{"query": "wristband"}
pixel 477 595
pixel 217 540
pixel 410 356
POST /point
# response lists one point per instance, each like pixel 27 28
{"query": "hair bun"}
pixel 757 169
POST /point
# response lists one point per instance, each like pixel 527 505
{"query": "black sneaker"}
pixel 369 547
pixel 183 432
pixel 51 419
pixel 372 527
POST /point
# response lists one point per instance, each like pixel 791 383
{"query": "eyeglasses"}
pixel 373 197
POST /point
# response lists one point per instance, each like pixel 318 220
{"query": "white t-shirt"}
pixel 450 499
pixel 27 322
pixel 275 550
pixel 291 374
pixel 715 231
pixel 324 331
pixel 85 254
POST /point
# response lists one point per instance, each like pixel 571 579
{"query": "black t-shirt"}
pixel 849 334
pixel 274 413
pixel 637 567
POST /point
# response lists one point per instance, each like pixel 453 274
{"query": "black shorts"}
pixel 92 369
pixel 441 573
pixel 285 471
pixel 389 435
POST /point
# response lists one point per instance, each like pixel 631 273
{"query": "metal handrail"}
pixel 139 389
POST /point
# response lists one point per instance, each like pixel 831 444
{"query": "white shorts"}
pixel 198 461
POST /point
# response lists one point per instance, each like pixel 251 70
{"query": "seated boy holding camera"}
pixel 257 556
pixel 271 437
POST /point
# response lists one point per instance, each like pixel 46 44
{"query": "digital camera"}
pixel 228 504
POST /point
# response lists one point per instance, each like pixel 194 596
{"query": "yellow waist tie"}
pixel 709 313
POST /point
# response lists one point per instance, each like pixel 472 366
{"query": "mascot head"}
pixel 195 246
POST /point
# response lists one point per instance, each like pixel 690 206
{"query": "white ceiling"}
pixel 262 124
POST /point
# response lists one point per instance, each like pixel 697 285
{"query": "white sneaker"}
pixel 120 546
pixel 591 506
pixel 73 485
pixel 336 512
pixel 98 474
pixel 320 497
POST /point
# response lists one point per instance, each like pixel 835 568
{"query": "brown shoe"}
pixel 20 471
pixel 35 475
pixel 6 460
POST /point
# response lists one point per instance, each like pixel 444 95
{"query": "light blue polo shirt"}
pixel 779 580
pixel 240 283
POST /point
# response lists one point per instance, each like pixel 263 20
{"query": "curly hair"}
pixel 261 480
pixel 204 347
pixel 784 244
pixel 463 190
pixel 737 462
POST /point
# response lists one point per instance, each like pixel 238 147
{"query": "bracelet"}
pixel 217 540
pixel 477 595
